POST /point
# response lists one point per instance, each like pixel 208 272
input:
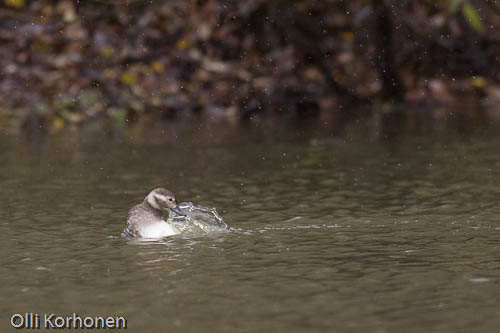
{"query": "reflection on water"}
pixel 323 235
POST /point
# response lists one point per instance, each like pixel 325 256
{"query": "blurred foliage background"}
pixel 68 62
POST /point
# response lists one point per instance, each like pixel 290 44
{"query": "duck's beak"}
pixel 178 211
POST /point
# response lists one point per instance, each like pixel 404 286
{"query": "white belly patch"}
pixel 158 230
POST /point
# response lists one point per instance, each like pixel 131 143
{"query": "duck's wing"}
pixel 131 229
pixel 128 233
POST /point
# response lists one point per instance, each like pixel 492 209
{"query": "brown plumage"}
pixel 146 219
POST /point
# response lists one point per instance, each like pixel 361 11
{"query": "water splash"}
pixel 198 219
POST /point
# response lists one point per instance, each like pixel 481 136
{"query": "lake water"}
pixel 326 234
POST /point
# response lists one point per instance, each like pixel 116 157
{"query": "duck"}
pixel 145 220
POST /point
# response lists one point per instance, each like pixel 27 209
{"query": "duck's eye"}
pixel 171 199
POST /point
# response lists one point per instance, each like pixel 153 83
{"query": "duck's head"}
pixel 163 200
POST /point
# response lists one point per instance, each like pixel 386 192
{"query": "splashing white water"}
pixel 197 219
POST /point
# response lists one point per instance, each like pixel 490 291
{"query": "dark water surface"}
pixel 326 234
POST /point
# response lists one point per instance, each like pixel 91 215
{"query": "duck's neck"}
pixel 151 200
pixel 152 209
